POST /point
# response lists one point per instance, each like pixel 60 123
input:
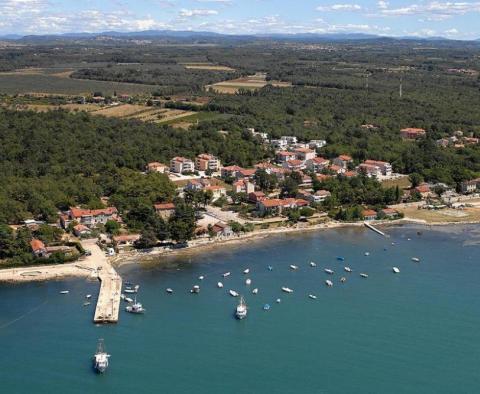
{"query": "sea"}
pixel 417 331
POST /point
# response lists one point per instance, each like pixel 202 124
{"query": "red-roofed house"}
pixel 369 170
pixel 230 171
pixel 180 165
pixel 412 133
pixel 92 217
pixel 125 239
pixel 284 156
pixel 206 162
pixel 390 213
pixel 165 210
pixel 246 173
pixel 369 214
pixel 342 161
pixel 317 197
pixel 156 167
pixel 305 154
pixel 317 164
pixel 38 248
pixel 217 191
pixel 270 206
pixel 294 165
pixel 337 169
pixel 81 230
pixel 256 196
pixel 385 167
pixel 243 186
pixel 424 190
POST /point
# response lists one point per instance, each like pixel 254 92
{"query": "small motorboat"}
pixel 270 268
pixel 220 285
pixel 226 274
pixel 329 283
pixel 248 282
pixel 416 259
pixel 241 311
pixel 312 296
pixel 122 296
pixel 88 296
pixel 287 289
pixel 130 300
pixel 129 291
pixel 329 271
pixel 246 271
pixel 294 267
pixel 409 239
pixel 201 277
pixel 395 270
pixel 136 288
pixel 86 303
pixel 312 264
pixel 367 253
pixel 233 293
pixel 343 279
pixel 266 307
pixel 255 291
pixel 364 275
pixel 169 291
pixel 135 308
pixel 347 269
pixel 278 301
pixel 339 258
pixel 64 292
pixel 195 289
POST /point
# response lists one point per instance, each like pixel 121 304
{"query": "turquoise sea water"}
pixel 415 332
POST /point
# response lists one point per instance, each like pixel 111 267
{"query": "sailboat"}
pixel 136 307
pixel 100 359
pixel 241 311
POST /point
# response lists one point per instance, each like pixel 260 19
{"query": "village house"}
pixel 90 217
pixel 317 144
pixel 125 240
pixel 289 139
pixel 217 191
pixel 294 165
pixel 390 213
pixel 369 214
pixel 337 169
pixel 156 167
pixel 443 142
pixel 306 180
pixel 38 248
pixel 369 170
pixel 255 197
pixel 206 162
pixel 165 210
pixel 181 165
pixel 246 173
pixel 230 171
pixel 342 161
pixel 470 186
pixel 424 190
pixel 304 154
pixel 385 167
pixel 81 230
pixel 279 144
pixel 195 185
pixel 284 156
pixel 279 173
pixel 263 136
pixel 350 174
pixel 222 229
pixel 317 164
pixel 317 197
pixel 412 133
pixel 243 186
pixel 275 206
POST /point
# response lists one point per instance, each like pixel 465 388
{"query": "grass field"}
pixel 206 66
pixel 442 215
pixel 57 81
pixel 402 183
pixel 251 82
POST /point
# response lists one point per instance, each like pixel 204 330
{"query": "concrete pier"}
pixel 108 303
pixel 368 225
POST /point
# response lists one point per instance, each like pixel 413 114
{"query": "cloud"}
pixel 382 4
pixel 340 7
pixel 434 10
pixel 184 13
pixel 215 1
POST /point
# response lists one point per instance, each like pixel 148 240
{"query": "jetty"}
pixel 108 303
pixel 368 225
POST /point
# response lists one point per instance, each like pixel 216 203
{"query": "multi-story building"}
pixel 206 162
pixel 180 165
pixel 385 167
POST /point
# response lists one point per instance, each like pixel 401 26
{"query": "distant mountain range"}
pixel 174 34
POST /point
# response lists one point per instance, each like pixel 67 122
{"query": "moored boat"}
pixel 329 271
pixel 270 268
pixel 220 285
pixel 248 282
pixel 347 269
pixel 340 258
pixel 88 296
pixel 313 264
pixel 416 259
pixel 312 296
pixel 226 274
pixel 343 279
pixel 329 283
pixel 136 307
pixel 266 307
pixel 246 271
pixel 64 292
pixel 201 277
pixel 128 299
pixel 278 301
pixel 364 275
pixel 287 289
pixel 395 270
pixel 169 290
pixel 233 293
pixel 241 311
pixel 294 267
pixel 195 289
pixel 255 291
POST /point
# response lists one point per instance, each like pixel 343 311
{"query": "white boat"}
pixel 416 259
pixel 88 296
pixel 248 282
pixel 246 271
pixel 233 293
pixel 278 301
pixel 201 277
pixel 367 253
pixel 294 267
pixel 329 283
pixel 220 285
pixel 136 307
pixel 343 279
pixel 241 311
pixel 395 270
pixel 128 299
pixel 64 292
pixel 255 291
pixel 312 264
pixel 195 289
pixel 287 290
pixel 169 291
pixel 312 296
pixel 86 303
pixel 364 275
pixel 136 288
pixel 129 291
pixel 226 274
pixel 122 296
pixel 329 271
pixel 347 269
pixel 100 359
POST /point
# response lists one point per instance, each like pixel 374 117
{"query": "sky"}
pixel 422 18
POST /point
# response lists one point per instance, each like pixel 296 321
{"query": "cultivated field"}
pixel 252 82
pixel 442 215
pixel 206 66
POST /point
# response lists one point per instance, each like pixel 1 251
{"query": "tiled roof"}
pixel 37 245
pixel 164 206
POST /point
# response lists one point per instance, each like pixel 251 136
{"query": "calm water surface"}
pixel 415 332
